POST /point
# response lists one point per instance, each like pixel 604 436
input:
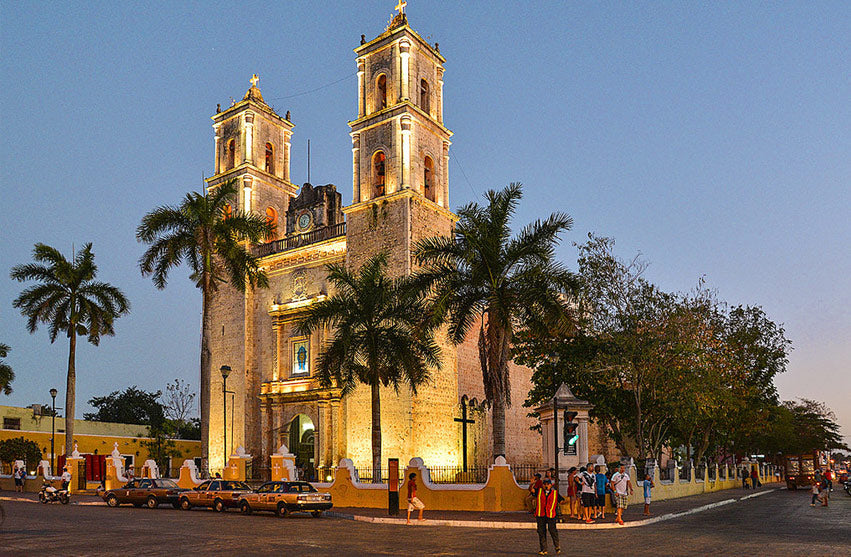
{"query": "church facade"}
pixel 400 194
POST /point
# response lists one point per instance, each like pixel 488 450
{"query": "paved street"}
pixel 778 523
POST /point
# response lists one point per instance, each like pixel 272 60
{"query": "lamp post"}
pixel 53 393
pixel 225 372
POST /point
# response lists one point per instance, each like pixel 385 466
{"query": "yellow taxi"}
pixel 285 497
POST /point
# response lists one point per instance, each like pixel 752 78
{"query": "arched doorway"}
pixel 301 444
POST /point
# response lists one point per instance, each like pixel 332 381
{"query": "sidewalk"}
pixel 633 516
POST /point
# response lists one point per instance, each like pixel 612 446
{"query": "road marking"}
pixel 757 494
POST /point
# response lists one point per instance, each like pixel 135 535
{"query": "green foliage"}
pixel 19 448
pixel 161 446
pixel 131 406
pixel 483 277
pixel 67 298
pixel 380 337
pixel 6 373
pixel 203 234
pixel 190 429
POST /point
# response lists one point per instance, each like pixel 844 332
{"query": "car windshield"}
pixel 168 484
pixel 234 486
pixel 301 487
pixel 203 487
pixel 269 487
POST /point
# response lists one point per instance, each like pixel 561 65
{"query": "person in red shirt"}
pixel 413 501
pixel 545 515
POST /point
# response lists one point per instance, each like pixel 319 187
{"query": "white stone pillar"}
pixel 246 192
pixel 405 123
pixel 218 153
pixel 356 177
pixel 361 88
pixel 286 174
pixel 249 137
pixel 582 450
pixel 405 54
pixel 440 94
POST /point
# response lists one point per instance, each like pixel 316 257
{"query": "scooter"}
pixel 50 494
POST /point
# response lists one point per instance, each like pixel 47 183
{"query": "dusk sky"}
pixel 713 138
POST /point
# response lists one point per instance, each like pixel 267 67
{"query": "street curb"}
pixel 532 525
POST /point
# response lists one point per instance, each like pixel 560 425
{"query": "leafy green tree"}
pixel 483 277
pixel 19 448
pixel 130 406
pixel 69 300
pixel 160 446
pixel 379 337
pixel 213 240
pixel 6 373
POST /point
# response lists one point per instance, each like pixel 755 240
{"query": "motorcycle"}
pixel 50 494
pixel 847 486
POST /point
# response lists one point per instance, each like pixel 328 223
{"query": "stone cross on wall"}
pixel 254 79
pixel 400 7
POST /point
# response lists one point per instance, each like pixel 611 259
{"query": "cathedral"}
pixel 400 194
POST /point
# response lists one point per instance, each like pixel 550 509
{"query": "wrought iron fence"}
pixel 712 475
pixel 299 240
pixel 665 473
pixel 700 471
pixel 685 473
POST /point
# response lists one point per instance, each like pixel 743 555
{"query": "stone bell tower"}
pixel 400 156
pixel 252 146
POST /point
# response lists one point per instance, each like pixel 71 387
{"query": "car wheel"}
pixel 42 498
pixel 316 514
pixel 185 504
pixel 219 506
pixel 245 508
pixel 281 510
pixel 64 499
pixel 112 500
pixel 152 502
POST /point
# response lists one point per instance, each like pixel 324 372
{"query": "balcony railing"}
pixel 300 240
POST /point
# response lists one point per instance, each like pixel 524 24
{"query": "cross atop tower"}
pixel 254 79
pixel 400 7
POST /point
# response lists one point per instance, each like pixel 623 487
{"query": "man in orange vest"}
pixel 545 515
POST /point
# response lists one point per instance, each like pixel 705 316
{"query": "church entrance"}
pixel 301 445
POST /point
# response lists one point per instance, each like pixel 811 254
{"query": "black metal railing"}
pixel 700 472
pixel 300 240
pixel 685 473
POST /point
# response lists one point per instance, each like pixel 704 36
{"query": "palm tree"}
pixel 68 300
pixel 482 276
pixel 379 339
pixel 207 235
pixel 6 373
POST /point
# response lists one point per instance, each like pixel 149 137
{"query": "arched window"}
pixel 272 218
pixel 231 154
pixel 424 98
pixel 429 188
pixel 381 92
pixel 378 173
pixel 270 158
pixel 227 211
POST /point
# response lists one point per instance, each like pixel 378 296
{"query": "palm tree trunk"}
pixel 376 433
pixel 498 426
pixel 204 401
pixel 70 393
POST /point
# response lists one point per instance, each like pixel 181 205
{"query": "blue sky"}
pixel 711 137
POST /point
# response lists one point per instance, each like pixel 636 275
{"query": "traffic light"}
pixel 570 429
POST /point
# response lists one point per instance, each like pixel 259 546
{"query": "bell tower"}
pixel 253 147
pixel 400 180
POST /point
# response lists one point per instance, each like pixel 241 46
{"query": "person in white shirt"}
pixel 66 478
pixel 586 481
pixel 623 489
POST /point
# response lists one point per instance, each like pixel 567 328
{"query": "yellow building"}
pixel 91 438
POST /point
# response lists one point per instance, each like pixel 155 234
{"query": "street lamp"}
pixel 53 393
pixel 225 372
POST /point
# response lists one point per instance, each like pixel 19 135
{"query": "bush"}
pixel 19 448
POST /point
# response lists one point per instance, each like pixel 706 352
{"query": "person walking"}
pixel 20 475
pixel 744 474
pixel 66 478
pixel 587 492
pixel 572 493
pixel 600 484
pixel 647 484
pixel 755 478
pixel 545 516
pixel 815 491
pixel 413 500
pixel 623 489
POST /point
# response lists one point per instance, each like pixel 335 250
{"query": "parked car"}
pixel 144 491
pixel 285 497
pixel 217 494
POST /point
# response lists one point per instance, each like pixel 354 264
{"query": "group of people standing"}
pixel 586 496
